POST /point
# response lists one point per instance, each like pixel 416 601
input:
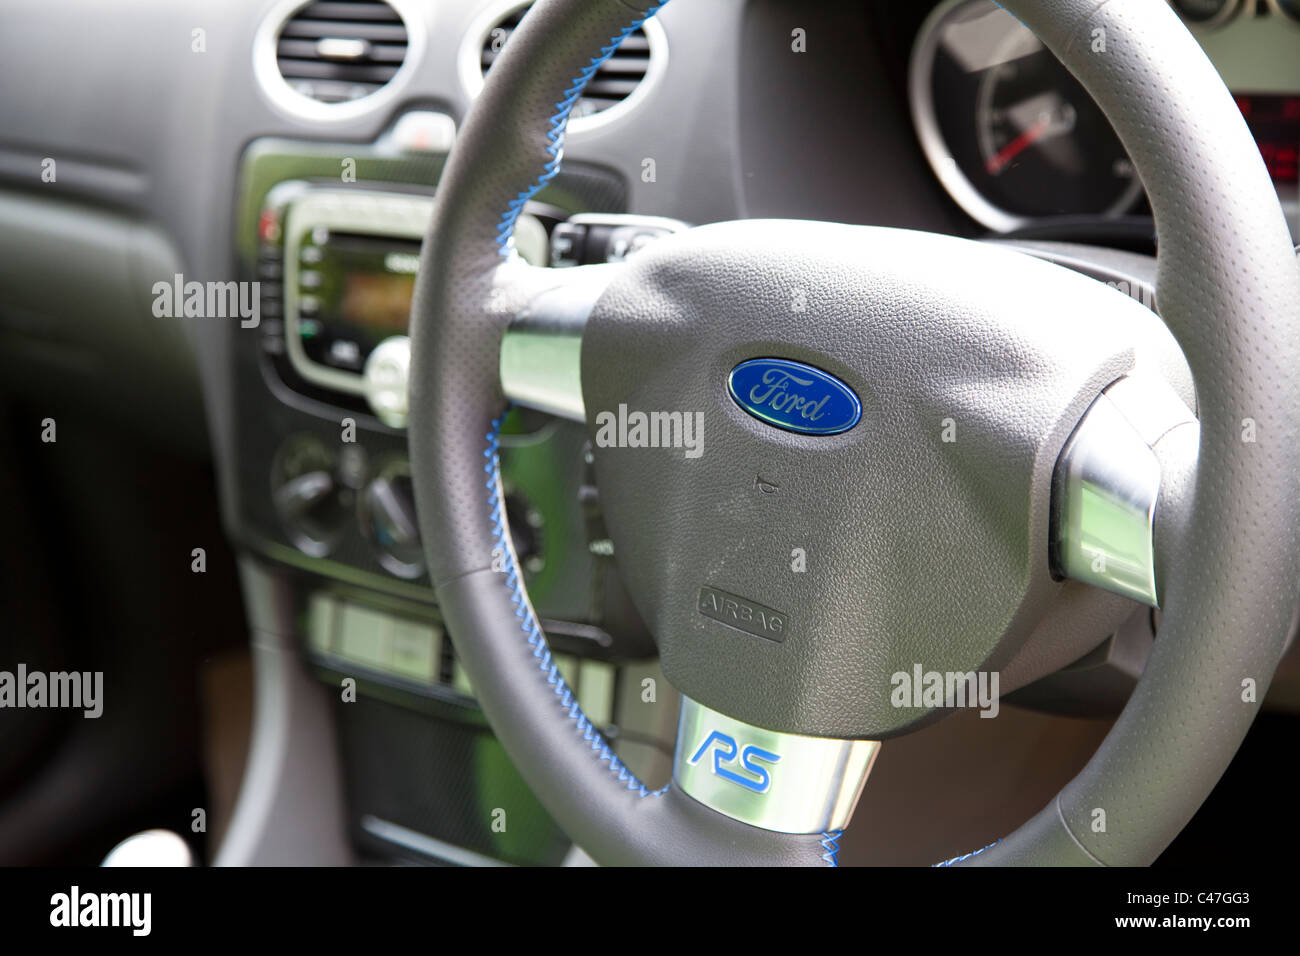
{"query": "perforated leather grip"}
pixel 1229 289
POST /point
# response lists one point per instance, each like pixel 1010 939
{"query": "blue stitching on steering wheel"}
pixel 523 610
pixel 958 859
pixel 558 124
pixel 529 625
pixel 830 843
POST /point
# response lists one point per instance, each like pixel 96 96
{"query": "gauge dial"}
pixel 1010 133
pixel 1045 147
pixel 1206 12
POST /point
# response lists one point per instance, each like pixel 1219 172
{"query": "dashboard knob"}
pixel 388 519
pixel 309 506
pixel 303 495
pixel 310 502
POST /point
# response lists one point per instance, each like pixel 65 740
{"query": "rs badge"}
pixel 725 751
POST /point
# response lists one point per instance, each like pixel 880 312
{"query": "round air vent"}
pixel 333 59
pixel 635 65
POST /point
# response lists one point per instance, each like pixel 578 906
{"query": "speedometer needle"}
pixel 1017 146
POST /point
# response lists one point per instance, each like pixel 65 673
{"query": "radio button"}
pixel 345 352
pixel 385 378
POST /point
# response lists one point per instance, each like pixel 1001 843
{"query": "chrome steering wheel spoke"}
pixel 1106 489
pixel 541 350
pixel 787 783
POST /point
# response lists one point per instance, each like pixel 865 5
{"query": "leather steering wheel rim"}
pixel 1228 552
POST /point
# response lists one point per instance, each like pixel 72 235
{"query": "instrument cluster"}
pixel 1014 138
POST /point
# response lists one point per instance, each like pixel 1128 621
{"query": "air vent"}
pixel 613 83
pixel 339 51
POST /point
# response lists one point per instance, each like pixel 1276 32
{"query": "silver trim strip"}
pixel 426 845
pixel 541 350
pixel 787 783
pixel 541 368
pixel 1106 488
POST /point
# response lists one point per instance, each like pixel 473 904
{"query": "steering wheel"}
pixel 954 433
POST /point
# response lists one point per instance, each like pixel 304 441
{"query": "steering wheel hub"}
pixel 789 576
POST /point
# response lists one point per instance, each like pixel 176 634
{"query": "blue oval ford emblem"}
pixel 794 396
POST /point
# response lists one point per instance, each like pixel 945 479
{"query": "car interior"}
pixel 613 432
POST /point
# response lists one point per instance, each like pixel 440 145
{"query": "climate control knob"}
pixel 388 520
pixel 311 504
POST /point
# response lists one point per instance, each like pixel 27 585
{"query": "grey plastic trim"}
pixel 290 809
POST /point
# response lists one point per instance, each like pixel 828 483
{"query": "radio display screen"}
pixel 1274 120
pixel 353 291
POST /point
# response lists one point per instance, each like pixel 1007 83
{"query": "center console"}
pixel 330 234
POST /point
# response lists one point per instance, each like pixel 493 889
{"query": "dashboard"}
pixel 291 149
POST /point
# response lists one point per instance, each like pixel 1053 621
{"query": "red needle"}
pixel 1018 145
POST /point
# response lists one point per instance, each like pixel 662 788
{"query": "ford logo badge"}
pixel 794 396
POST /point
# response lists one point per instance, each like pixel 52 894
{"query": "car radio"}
pixel 347 293
pixel 349 261
pixel 338 268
